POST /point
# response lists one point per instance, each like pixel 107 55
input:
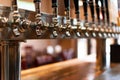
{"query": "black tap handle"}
pixel 76 3
pixel 67 5
pixel 92 9
pixel 103 9
pixel 37 1
pixel 14 4
pixel 85 5
pixel 54 3
pixel 97 10
pixel 107 11
pixel 37 5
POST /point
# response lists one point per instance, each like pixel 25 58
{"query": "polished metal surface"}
pixel 11 60
pixel 26 27
pixel 110 74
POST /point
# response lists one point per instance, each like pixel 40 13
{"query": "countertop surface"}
pixel 67 70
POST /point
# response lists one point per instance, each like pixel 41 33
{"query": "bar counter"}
pixel 67 70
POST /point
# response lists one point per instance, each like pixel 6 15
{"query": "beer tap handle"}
pixel 107 11
pixel 37 6
pixel 92 10
pixel 14 5
pixel 55 7
pixel 15 20
pixel 54 3
pixel 67 5
pixel 85 5
pixel 77 11
pixel 67 8
pixel 97 10
pixel 103 10
pixel 37 1
pixel 38 21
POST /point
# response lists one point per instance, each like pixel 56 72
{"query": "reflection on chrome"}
pixel 19 27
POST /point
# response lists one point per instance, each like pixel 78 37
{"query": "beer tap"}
pixel 86 24
pixel 93 25
pixel 107 11
pixel 91 3
pixel 15 22
pixel 77 12
pixel 67 25
pixel 39 25
pixel 104 26
pixel 98 29
pixel 55 21
pixel 110 29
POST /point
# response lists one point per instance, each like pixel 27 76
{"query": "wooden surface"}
pixel 67 70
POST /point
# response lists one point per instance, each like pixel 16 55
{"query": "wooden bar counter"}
pixel 67 70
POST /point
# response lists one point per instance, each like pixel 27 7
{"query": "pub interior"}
pixel 59 39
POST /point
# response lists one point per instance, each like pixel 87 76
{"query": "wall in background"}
pixel 41 45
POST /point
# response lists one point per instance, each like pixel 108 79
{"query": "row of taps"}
pixel 95 28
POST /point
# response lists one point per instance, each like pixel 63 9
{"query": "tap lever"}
pixel 76 3
pixel 55 7
pixel 67 9
pixel 107 11
pixel 37 6
pixel 67 5
pixel 85 6
pixel 54 3
pixel 92 10
pixel 37 1
pixel 103 10
pixel 97 10
pixel 77 11
pixel 14 5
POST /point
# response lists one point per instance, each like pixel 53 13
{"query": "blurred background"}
pixel 40 52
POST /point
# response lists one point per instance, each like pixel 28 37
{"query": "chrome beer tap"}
pixel 92 28
pixel 18 24
pixel 66 29
pixel 85 29
pixel 104 28
pixel 15 21
pixel 39 25
pixel 108 20
pixel 55 21
pixel 98 29
pixel 79 23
